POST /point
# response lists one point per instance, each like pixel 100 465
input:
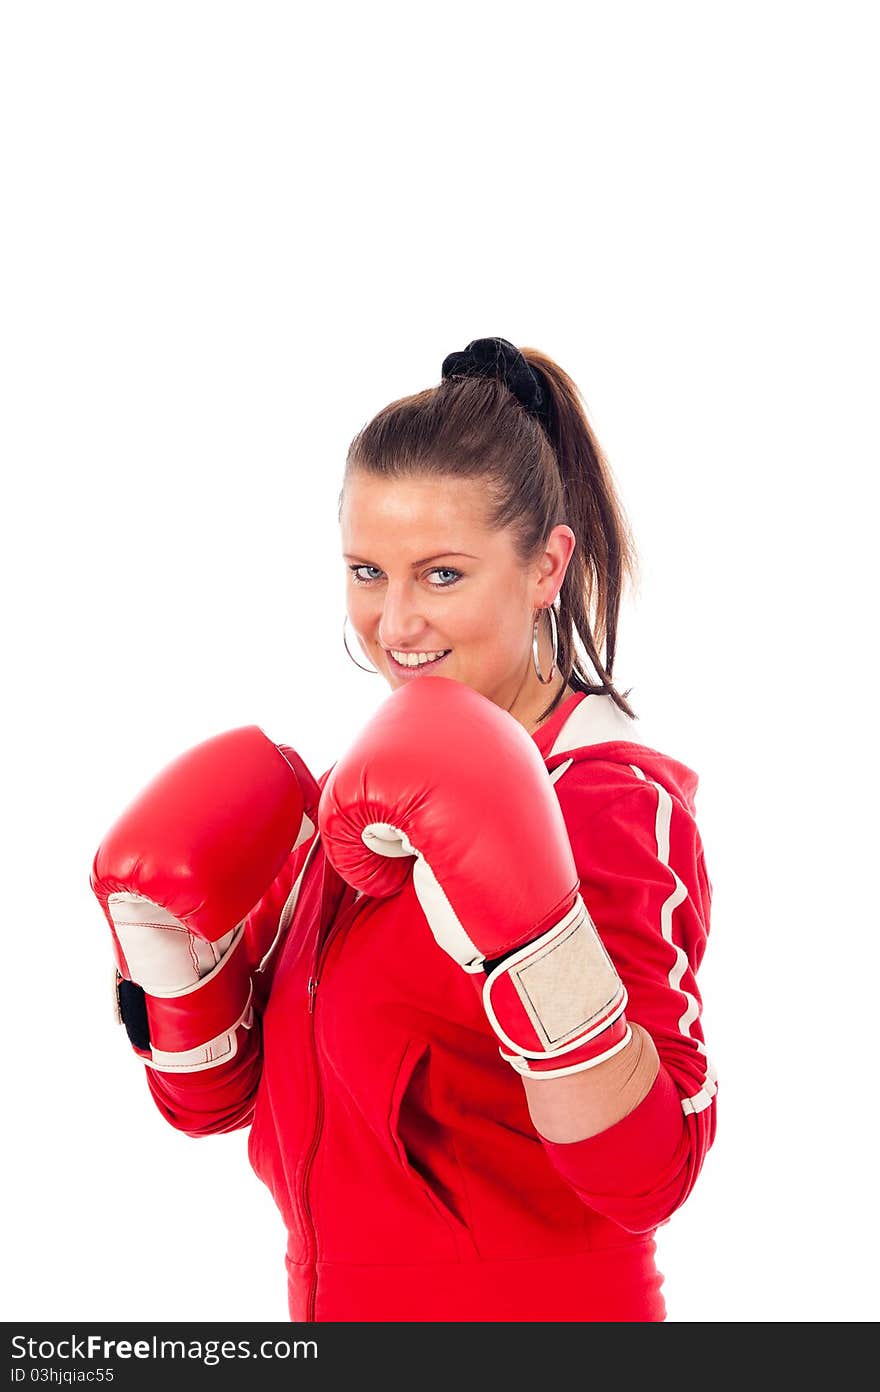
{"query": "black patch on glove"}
pixel 133 1009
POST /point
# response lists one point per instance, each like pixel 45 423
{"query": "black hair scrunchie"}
pixel 497 357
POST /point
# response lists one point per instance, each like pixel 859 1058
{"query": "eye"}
pixel 361 579
pixel 444 570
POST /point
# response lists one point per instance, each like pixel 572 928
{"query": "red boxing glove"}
pixel 443 775
pixel 177 875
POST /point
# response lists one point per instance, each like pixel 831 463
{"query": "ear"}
pixel 552 565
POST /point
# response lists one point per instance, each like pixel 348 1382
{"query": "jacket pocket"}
pixel 424 1148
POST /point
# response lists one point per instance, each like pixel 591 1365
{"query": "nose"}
pixel 401 624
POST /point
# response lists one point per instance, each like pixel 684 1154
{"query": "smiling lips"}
pixel 414 662
pixel 411 659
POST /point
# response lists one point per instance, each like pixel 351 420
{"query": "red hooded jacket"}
pixel 396 1141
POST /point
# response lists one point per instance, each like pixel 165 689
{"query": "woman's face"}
pixel 429 584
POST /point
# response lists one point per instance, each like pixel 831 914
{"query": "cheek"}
pixel 496 635
pixel 362 610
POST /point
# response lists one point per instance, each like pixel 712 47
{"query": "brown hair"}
pixel 474 427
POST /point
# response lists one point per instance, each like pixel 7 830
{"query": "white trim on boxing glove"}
pixel 169 965
pixel 160 952
pixel 521 1065
pixel 386 839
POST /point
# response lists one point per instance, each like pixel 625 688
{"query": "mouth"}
pixel 415 669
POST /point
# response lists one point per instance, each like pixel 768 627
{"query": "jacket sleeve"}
pixel 644 881
pixel 221 1099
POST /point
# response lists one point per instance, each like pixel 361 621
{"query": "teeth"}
pixel 408 659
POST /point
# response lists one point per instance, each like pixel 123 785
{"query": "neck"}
pixel 529 705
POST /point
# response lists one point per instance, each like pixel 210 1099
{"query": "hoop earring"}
pixel 372 670
pixel 554 637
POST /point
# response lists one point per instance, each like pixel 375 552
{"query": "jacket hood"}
pixel 586 726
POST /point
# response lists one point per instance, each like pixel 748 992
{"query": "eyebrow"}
pixel 424 561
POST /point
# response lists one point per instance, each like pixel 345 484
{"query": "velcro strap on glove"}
pixel 557 1004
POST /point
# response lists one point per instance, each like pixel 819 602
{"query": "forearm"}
pixel 580 1105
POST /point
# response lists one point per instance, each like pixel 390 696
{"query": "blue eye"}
pixel 442 584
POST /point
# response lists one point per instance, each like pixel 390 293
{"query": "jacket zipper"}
pixel 334 914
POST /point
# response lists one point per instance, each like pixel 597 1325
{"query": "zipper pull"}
pixel 313 986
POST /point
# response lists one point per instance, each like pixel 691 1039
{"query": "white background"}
pixel 231 233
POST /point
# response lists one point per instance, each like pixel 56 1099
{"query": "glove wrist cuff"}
pixel 193 1028
pixel 557 1002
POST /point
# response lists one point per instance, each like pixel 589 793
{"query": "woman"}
pixel 440 1152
